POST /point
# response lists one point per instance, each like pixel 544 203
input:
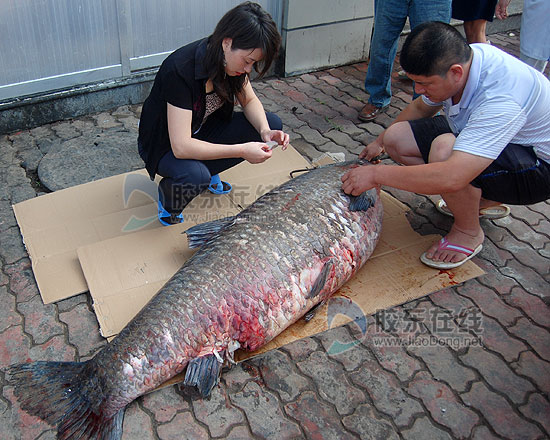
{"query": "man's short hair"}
pixel 432 48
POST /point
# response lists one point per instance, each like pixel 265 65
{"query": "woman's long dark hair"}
pixel 250 27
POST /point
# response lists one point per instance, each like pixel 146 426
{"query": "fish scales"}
pixel 247 284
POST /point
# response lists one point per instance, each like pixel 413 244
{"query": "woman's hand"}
pixel 255 152
pixel 278 136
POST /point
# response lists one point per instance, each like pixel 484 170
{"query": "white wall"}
pixel 324 33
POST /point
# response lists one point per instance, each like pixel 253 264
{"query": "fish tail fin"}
pixel 53 391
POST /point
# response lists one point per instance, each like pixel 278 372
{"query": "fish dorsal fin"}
pixel 204 232
pixel 362 202
pixel 203 373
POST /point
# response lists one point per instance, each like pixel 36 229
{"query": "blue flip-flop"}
pixel 217 186
pixel 173 219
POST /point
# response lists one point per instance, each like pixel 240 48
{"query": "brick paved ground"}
pixel 308 390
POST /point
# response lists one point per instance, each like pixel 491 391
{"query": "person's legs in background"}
pixel 389 19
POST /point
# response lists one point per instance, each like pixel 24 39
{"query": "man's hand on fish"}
pixel 359 179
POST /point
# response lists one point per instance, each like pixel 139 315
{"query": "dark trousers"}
pixel 184 179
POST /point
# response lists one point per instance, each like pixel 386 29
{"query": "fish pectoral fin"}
pixel 203 373
pixel 204 232
pixel 313 311
pixel 321 280
pixel 362 202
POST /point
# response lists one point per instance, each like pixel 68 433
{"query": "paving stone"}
pixel 67 304
pixel 537 337
pixel 216 412
pixel 290 121
pixel 443 405
pixel 280 375
pixel 263 412
pixel 90 157
pixel 497 374
pixel 55 349
pixel 331 382
pixel 106 121
pixel 527 278
pixel 533 218
pixel 449 300
pixel 343 139
pixel 538 409
pixel 331 147
pixel 14 346
pixel 7 217
pixel 318 420
pixel 392 358
pixel 12 248
pixel 346 126
pixel 239 375
pixel 83 330
pixel 533 367
pixel 164 404
pixel 444 366
pixel 40 320
pixel 351 358
pixel 483 433
pixel 20 424
pixel 312 136
pixel 522 232
pixel 306 149
pixel 386 394
pixel 500 283
pixel 317 122
pixel 239 433
pixel 8 315
pixel 490 303
pixel 137 424
pixel 65 130
pixel 301 349
pixel 423 429
pixel 368 425
pixel 22 282
pixel 499 413
pixel 183 426
pixel 531 305
pixel 526 254
pixel 495 338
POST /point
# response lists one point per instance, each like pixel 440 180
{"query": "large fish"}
pixel 253 276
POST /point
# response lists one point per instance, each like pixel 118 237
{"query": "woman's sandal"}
pixel 217 186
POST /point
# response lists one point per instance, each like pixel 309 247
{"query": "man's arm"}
pixel 432 178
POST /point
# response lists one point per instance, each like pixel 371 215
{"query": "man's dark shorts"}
pixel 516 176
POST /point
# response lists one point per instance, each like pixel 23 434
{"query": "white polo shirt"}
pixel 504 101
